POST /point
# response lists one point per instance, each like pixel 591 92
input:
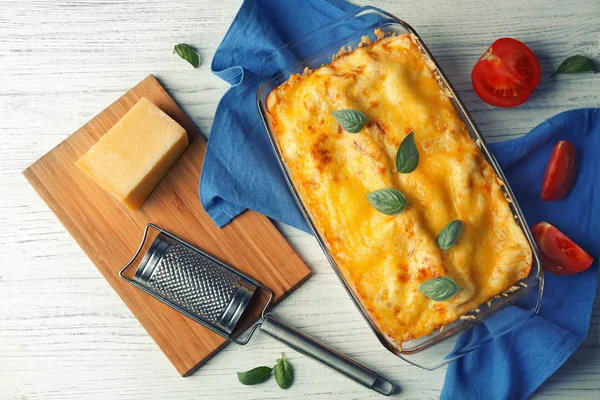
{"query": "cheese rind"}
pixel 135 154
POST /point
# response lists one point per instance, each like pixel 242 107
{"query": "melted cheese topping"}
pixel 385 258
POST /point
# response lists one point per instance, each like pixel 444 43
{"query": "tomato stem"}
pixel 488 55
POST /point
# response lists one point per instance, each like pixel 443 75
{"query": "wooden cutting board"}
pixel 109 233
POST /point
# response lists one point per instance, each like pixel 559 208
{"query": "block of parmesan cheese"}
pixel 135 154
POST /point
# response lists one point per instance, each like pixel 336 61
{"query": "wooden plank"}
pixel 109 233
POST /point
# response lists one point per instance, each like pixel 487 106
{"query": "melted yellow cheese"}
pixel 385 258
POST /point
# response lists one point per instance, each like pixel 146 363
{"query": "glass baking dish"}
pixel 490 320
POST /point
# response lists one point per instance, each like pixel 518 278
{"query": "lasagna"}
pixel 385 258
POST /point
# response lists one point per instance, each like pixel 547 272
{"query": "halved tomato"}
pixel 506 74
pixel 560 172
pixel 560 255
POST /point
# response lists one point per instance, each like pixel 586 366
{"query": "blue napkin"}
pixel 240 172
pixel 516 364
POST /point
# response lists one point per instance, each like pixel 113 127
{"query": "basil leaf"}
pixel 254 376
pixel 284 375
pixel 407 157
pixel 440 289
pixel 575 64
pixel 449 234
pixel 387 201
pixel 188 53
pixel 351 120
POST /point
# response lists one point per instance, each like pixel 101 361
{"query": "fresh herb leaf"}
pixel 284 375
pixel 449 234
pixel 351 120
pixel 188 53
pixel 254 376
pixel 440 289
pixel 407 157
pixel 575 64
pixel 387 201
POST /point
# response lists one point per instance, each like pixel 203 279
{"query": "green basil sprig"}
pixel 188 53
pixel 447 237
pixel 388 201
pixel 284 375
pixel 575 64
pixel 407 157
pixel 351 120
pixel 254 376
pixel 440 289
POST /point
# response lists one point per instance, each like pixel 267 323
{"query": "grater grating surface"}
pixel 194 282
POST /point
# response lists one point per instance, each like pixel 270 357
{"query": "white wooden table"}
pixel 65 334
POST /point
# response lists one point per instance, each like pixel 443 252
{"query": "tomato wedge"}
pixel 506 74
pixel 560 255
pixel 560 172
pixel 553 267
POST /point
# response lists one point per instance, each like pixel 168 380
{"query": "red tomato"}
pixel 553 267
pixel 560 255
pixel 560 172
pixel 506 73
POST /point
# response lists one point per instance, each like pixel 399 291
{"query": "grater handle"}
pixel 325 355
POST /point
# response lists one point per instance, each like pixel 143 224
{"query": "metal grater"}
pixel 194 283
pixel 215 295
